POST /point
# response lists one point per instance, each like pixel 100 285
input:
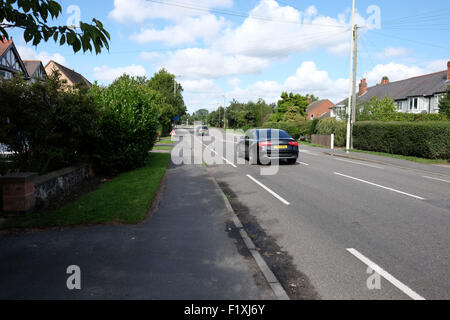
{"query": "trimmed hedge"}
pixel 329 126
pixel 400 116
pixel 429 140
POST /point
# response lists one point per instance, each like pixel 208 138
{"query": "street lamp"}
pixel 225 112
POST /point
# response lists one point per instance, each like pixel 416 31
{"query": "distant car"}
pixel 264 145
pixel 203 131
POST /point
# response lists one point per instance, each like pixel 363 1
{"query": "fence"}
pixel 323 140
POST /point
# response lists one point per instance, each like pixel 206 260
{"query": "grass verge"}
pixel 163 148
pixel 126 199
pixel 304 143
pixel 409 158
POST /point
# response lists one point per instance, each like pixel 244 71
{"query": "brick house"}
pixel 72 77
pixel 419 94
pixel 319 109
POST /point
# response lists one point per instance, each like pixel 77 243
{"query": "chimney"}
pixel 384 81
pixel 309 100
pixel 448 70
pixel 362 87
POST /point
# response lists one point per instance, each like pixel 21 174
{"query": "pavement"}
pixel 340 219
pixel 182 252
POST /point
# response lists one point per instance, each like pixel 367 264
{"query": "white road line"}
pixel 302 163
pixel 224 159
pixel 380 186
pixel 437 179
pixel 405 289
pixel 360 163
pixel 268 190
pixel 308 152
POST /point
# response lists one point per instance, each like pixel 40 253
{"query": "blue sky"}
pixel 256 49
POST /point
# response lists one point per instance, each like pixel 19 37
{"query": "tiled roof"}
pixel 316 104
pixel 426 85
pixel 73 76
pixel 4 45
pixel 32 66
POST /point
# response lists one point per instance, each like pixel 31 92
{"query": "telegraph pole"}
pixel 351 108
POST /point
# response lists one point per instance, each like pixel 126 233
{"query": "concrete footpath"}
pixel 183 251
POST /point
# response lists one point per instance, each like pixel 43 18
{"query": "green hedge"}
pixel 413 117
pixel 329 126
pixel 429 140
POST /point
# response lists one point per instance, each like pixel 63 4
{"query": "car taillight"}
pixel 293 143
pixel 265 144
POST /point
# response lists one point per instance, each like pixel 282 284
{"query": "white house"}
pixel 414 95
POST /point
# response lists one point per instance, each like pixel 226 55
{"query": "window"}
pixel 413 103
pixel 5 74
pixel 312 117
pixel 399 106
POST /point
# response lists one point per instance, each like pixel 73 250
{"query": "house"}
pixel 319 109
pixel 10 61
pixel 35 70
pixel 414 95
pixel 73 78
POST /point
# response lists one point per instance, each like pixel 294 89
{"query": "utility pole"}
pixel 351 108
pixel 224 112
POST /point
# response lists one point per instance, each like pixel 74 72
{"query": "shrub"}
pixel 295 129
pixel 128 124
pixel 45 127
pixel 420 139
pixel 329 126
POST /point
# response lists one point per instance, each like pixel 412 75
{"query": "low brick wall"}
pixel 52 185
pixel 323 140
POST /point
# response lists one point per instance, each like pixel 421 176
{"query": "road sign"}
pixel 173 133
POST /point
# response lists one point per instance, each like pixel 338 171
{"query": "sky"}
pixel 222 50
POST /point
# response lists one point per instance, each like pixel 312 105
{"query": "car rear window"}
pixel 269 133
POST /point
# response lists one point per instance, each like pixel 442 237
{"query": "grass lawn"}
pixel 304 143
pixel 396 156
pixel 126 199
pixel 165 142
pixel 163 148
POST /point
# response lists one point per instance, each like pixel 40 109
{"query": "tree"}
pixel 166 84
pixel 376 109
pixel 292 100
pixel 32 16
pixel 444 104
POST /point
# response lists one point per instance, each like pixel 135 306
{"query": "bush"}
pixel 329 126
pixel 45 127
pixel 419 139
pixel 128 124
pixel 295 129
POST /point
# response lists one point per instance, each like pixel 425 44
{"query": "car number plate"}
pixel 281 147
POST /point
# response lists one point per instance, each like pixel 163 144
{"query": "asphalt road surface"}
pixel 356 229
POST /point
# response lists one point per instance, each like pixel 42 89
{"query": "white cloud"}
pixel 138 11
pixel 290 30
pixel 150 56
pixel 307 79
pixel 205 27
pixel 108 74
pixel 28 53
pixel 392 52
pixel 200 86
pixel 234 82
pixel 197 63
pixel 397 71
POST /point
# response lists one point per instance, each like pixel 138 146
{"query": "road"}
pixel 340 219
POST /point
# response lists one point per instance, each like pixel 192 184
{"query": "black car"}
pixel 264 145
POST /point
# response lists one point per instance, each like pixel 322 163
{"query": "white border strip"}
pixel 405 289
pixel 303 163
pixel 268 190
pixel 437 179
pixel 362 164
pixel 380 186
